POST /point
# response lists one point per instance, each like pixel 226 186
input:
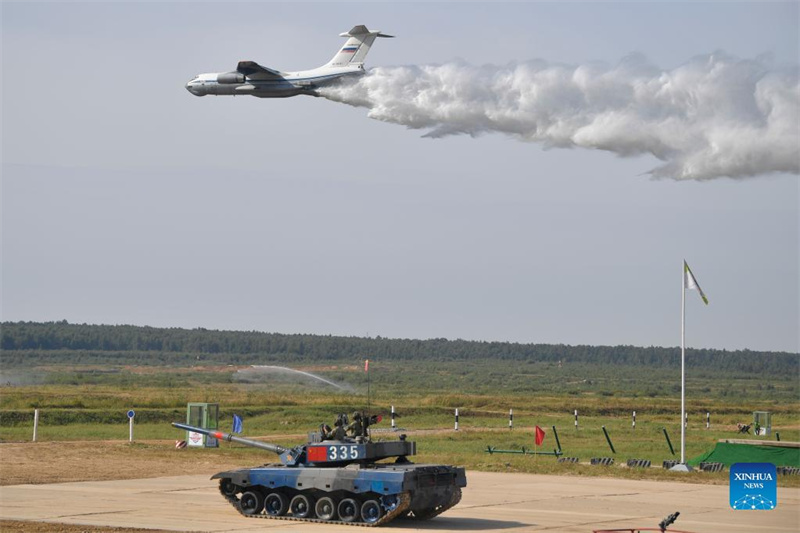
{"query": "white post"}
pixel 683 365
pixel 576 420
pixel 634 420
pixel 456 418
pixel 35 423
pixel 708 420
pixel 130 429
pixel 682 466
pixel 393 426
pixel 510 419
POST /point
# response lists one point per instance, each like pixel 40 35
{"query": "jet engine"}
pixel 230 77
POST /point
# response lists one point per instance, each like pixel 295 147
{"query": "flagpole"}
pixel 682 466
pixel 683 365
pixel 368 402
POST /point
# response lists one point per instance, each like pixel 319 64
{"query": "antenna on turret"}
pixel 366 369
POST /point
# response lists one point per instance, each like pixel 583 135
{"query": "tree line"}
pixel 33 342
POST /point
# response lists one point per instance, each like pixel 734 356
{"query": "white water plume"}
pixel 714 116
pixel 259 372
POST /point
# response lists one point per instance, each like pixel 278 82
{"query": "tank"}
pixel 340 477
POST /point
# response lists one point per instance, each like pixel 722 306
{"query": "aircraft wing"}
pixel 254 71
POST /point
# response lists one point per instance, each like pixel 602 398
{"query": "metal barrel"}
pixel 231 438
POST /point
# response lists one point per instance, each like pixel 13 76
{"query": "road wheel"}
pixel 251 502
pixel 276 504
pixel 302 506
pixel 371 511
pixel 228 487
pixel 349 510
pixel 325 508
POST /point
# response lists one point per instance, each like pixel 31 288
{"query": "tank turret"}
pixel 336 477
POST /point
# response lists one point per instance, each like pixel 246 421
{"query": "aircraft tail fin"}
pixel 355 50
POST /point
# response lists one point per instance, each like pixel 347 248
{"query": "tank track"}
pixel 427 514
pixel 404 501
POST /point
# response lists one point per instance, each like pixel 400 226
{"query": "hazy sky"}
pixel 126 200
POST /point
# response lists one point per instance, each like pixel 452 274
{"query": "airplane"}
pixel 262 82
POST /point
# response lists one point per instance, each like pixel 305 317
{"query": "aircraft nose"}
pixel 193 89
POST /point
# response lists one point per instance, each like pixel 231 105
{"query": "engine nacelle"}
pixel 230 77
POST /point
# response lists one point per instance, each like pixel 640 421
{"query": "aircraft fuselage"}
pixel 288 84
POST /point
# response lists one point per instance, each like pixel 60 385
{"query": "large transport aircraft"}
pixel 255 80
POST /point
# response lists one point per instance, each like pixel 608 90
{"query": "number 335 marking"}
pixel 342 453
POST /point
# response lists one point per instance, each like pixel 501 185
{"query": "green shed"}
pixel 202 415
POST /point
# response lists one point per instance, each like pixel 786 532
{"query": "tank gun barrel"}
pixel 231 438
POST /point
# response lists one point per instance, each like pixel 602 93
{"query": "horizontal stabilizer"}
pixel 362 30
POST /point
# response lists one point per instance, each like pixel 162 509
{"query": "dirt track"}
pixel 103 487
pixel 19 526
pixel 56 462
pixel 492 502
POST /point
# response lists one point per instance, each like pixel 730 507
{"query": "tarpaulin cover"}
pixel 728 453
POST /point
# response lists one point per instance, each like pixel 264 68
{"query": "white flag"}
pixel 689 282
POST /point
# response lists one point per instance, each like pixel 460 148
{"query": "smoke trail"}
pixel 714 116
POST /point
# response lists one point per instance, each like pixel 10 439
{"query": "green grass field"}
pixel 94 407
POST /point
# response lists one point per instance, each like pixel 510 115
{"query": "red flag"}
pixel 539 436
pixel 366 365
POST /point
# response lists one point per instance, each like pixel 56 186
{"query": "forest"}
pixel 27 344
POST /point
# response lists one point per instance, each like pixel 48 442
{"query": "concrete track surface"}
pixel 492 502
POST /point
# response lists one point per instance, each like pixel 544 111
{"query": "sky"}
pixel 127 200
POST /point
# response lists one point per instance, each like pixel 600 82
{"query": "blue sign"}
pixel 131 414
pixel 754 487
